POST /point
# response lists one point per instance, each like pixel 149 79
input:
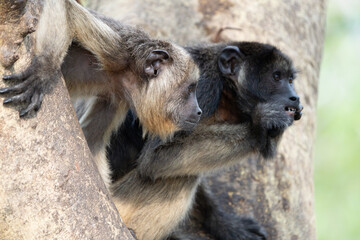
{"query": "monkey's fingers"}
pixel 254 230
pixel 18 88
pixel 35 104
pixel 23 97
pixel 19 76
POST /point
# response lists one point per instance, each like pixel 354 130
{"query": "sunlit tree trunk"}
pixel 49 184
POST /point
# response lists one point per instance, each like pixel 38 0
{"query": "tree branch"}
pixel 49 184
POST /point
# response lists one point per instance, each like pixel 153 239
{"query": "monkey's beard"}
pixel 154 119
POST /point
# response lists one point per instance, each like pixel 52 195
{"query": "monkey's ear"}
pixel 155 61
pixel 229 61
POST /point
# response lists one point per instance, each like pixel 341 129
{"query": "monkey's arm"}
pixel 211 147
pixel 60 23
pixel 100 35
pixel 207 148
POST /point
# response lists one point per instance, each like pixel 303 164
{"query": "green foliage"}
pixel 337 151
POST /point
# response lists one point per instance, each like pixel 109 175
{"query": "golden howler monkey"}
pixel 109 68
pixel 248 100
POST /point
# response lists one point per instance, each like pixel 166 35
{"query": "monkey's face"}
pixel 264 76
pixel 165 101
pixel 276 76
pixel 183 107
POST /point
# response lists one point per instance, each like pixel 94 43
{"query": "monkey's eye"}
pixel 192 88
pixel 277 76
pixel 291 78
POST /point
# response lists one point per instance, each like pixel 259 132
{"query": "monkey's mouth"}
pixel 290 110
pixel 294 112
pixel 191 123
pixel 187 125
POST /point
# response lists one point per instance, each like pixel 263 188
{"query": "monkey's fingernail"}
pixel 8 100
pixel 22 113
pixel 3 90
pixel 7 77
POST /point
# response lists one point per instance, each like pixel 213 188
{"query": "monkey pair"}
pixel 245 91
pixel 109 67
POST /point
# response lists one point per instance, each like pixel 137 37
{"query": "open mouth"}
pixel 294 112
pixel 290 110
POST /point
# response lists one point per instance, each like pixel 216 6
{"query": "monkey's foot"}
pixel 29 90
pixel 241 228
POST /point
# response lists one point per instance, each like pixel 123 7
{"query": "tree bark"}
pixel 280 192
pixel 49 184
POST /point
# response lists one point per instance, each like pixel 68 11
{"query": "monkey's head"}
pixel 165 97
pixel 263 78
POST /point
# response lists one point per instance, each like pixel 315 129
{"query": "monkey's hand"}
pixel 151 161
pixel 240 228
pixel 246 228
pixel 30 86
pixel 229 229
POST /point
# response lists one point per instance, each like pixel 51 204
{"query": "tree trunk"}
pixel 49 184
pixel 280 192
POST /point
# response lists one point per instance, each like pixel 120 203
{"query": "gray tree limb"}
pixel 49 184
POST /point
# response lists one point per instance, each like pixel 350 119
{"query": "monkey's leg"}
pixel 153 209
pixel 98 117
pixel 220 224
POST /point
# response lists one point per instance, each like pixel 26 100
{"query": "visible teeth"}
pixel 291 109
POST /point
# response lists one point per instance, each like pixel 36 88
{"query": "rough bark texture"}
pixel 279 193
pixel 49 185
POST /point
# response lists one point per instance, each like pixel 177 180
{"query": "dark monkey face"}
pixel 280 88
pixel 182 106
pixel 264 76
pixel 190 110
pixel 274 79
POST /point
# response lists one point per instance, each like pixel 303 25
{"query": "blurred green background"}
pixel 337 151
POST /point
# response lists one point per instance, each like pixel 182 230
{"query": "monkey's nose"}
pixel 294 98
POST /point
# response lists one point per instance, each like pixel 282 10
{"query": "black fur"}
pixel 241 115
pixel 129 142
pixel 218 223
